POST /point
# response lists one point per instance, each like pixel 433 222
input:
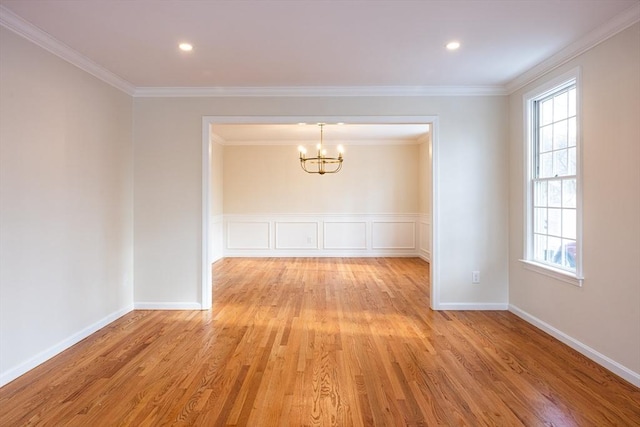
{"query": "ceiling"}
pixel 316 43
pixel 294 47
pixel 333 133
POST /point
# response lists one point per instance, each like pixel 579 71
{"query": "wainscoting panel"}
pixel 296 235
pixel 394 235
pixel 345 235
pixel 248 235
pixel 322 235
pixel 216 243
pixel 425 239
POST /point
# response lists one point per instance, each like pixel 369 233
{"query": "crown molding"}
pixel 18 25
pixel 23 28
pixel 34 34
pixel 318 91
pixel 589 41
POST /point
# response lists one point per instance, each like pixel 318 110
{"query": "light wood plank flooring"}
pixel 319 342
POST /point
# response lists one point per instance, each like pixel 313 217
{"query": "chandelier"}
pixel 320 164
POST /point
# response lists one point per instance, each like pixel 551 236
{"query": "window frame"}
pixel 531 158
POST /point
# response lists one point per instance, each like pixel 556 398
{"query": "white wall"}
pixel 65 205
pixel 268 179
pixel 368 209
pixel 602 318
pixel 473 187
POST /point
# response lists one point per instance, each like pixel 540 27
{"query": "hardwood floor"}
pixel 310 341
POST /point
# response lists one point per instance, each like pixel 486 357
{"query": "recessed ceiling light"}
pixel 186 47
pixel 453 45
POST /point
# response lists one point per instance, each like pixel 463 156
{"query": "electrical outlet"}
pixel 309 239
pixel 475 277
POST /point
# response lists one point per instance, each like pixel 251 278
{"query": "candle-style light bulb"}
pixel 340 149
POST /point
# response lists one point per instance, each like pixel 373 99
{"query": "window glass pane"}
pixel 571 153
pixel 554 222
pixel 560 106
pixel 540 250
pixel 540 193
pixel 571 135
pixel 560 166
pixel 569 193
pixel 546 112
pixel 554 248
pixel 546 138
pixel 540 220
pixel 560 135
pixel 555 194
pixel 546 165
pixel 569 223
pixel 572 102
pixel 567 256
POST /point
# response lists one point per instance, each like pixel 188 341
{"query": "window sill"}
pixel 555 273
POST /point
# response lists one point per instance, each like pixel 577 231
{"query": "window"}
pixel 552 240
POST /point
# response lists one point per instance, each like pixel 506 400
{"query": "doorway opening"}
pixel 298 231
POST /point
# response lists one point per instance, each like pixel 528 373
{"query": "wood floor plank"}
pixel 319 342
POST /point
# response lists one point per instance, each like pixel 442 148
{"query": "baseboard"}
pixel 599 358
pixel 167 306
pixel 309 253
pixel 459 306
pixel 425 255
pixel 15 372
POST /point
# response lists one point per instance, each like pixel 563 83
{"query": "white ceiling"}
pixel 316 46
pixel 307 43
pixel 352 134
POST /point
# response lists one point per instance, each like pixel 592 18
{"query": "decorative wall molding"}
pixel 216 250
pixel 424 242
pixel 320 235
pixel 318 91
pixel 345 235
pixel 23 28
pixel 245 234
pixel 293 235
pixel 13 373
pixel 394 234
pixel 599 358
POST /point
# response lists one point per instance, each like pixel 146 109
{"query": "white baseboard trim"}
pixel 310 253
pixel 458 306
pixel 167 306
pixel 599 358
pixel 13 373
